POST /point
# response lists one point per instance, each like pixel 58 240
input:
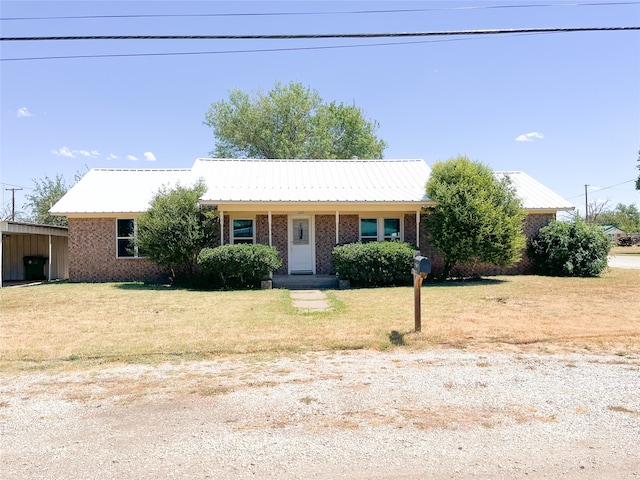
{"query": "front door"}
pixel 301 244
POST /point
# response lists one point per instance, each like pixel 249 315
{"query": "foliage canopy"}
pixel 374 263
pixel 625 217
pixel 570 249
pixel 290 121
pixel 238 265
pixel 175 228
pixel 46 192
pixel 477 218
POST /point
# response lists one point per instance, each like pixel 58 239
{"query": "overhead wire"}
pixel 352 12
pixel 459 33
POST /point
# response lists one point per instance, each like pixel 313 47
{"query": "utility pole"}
pixel 13 202
pixel 586 204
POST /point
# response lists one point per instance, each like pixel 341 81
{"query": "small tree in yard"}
pixel 175 228
pixel 570 249
pixel 476 218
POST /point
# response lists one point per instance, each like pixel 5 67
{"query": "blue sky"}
pixel 563 107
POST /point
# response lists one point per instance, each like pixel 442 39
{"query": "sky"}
pixel 562 107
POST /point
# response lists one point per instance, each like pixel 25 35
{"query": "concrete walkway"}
pixel 310 300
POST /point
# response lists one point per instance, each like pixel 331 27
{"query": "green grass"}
pixel 64 325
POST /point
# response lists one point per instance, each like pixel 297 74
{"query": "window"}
pixel 125 234
pixel 242 231
pixel 368 230
pixel 392 229
pixel 380 229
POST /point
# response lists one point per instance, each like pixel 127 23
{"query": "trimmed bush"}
pixel 374 263
pixel 570 249
pixel 238 266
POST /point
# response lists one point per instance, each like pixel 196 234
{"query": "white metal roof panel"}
pixel 533 194
pixel 118 190
pixel 252 180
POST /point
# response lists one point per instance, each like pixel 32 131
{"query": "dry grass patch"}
pixel 633 250
pixel 75 325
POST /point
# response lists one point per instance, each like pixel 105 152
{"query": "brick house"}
pixel 301 207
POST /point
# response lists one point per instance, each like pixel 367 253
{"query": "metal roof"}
pixel 533 194
pixel 104 190
pixel 251 180
pixel 114 191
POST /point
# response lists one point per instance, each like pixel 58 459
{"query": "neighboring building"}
pixel 44 247
pixel 301 207
pixel 614 233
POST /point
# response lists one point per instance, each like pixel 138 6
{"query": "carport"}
pixel 20 240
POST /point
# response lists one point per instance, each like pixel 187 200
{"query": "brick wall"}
pixel 92 255
pixel 349 228
pixel 532 225
pixel 410 228
pixel 279 238
pixel 325 241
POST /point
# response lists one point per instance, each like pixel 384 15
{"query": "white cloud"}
pixel 85 153
pixel 112 157
pixel 529 137
pixel 24 112
pixel 149 157
pixel 63 152
pixel 132 158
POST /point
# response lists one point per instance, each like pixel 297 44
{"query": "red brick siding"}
pixel 325 241
pixel 349 228
pixel 278 236
pixel 532 225
pixel 92 255
pixel 410 228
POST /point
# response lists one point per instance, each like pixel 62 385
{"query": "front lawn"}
pixel 71 325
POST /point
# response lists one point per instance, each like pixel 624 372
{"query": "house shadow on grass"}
pixel 146 286
pixel 470 282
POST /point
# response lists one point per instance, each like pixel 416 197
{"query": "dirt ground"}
pixel 354 415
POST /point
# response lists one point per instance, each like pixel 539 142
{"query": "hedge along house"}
pixel 301 207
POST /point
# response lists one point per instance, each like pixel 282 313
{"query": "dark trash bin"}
pixel 34 268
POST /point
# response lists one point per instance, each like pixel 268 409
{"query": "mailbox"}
pixel 422 265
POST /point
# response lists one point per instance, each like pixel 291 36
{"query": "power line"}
pixel 317 36
pixel 600 189
pixel 254 50
pixel 354 12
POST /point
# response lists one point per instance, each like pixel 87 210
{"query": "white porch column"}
pixel 337 227
pixel 418 229
pixel 270 230
pixel 221 227
pixel 50 261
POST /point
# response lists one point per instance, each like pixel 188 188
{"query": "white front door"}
pixel 301 244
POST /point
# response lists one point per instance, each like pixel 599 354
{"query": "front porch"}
pixel 305 282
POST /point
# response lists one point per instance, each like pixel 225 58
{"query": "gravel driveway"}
pixel 436 414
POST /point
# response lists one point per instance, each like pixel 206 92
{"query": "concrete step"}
pixel 305 282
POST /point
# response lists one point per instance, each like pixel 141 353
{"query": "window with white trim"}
pixel 380 229
pixel 126 229
pixel 242 230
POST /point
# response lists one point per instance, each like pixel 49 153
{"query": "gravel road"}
pixel 353 415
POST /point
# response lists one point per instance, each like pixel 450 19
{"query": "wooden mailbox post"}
pixel 421 268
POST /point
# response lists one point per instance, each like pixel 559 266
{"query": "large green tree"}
pixel 46 192
pixel 290 121
pixel 175 228
pixel 625 217
pixel 476 217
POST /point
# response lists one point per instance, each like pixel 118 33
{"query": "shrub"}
pixel 570 249
pixel 238 266
pixel 375 263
